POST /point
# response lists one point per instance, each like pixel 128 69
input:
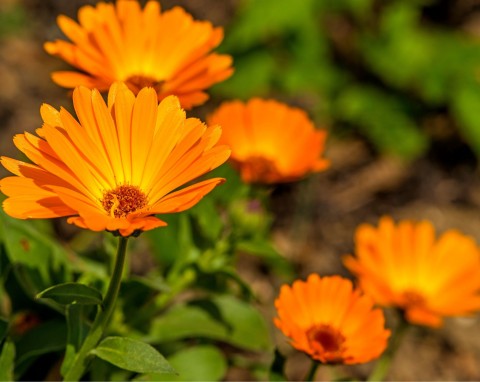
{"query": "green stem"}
pixel 312 371
pixel 383 364
pixel 81 360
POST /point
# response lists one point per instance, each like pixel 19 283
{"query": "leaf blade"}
pixel 132 355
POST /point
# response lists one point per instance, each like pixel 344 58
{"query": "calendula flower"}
pixel 331 321
pixel 117 166
pixel 405 266
pixel 270 141
pixel 168 51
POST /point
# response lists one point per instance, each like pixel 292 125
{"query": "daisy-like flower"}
pixel 117 166
pixel 405 266
pixel 271 142
pixel 331 321
pixel 168 51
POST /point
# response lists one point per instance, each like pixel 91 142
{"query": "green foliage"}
pixel 72 293
pixel 377 69
pixel 7 358
pixel 132 355
pixel 199 363
pixel 222 318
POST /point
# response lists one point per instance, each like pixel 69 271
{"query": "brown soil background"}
pixel 315 218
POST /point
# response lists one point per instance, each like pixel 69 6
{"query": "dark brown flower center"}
pixel 123 200
pixel 326 342
pixel 259 169
pixel 413 299
pixel 138 82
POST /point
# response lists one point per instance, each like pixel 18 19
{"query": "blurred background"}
pixel 395 82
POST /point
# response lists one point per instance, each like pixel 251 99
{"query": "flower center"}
pixel 412 298
pixel 123 200
pixel 326 342
pixel 137 82
pixel 259 169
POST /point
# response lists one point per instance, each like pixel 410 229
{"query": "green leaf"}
pixel 7 358
pixel 3 329
pixel 72 293
pixel 132 355
pixel 42 339
pixel 265 250
pixel 466 99
pixel 384 119
pixel 200 363
pixel 37 260
pixel 223 318
pixel 76 333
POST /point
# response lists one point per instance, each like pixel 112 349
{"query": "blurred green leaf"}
pixel 266 251
pixel 3 328
pixel 174 242
pixel 224 318
pixel 76 333
pixel 47 337
pixel 133 355
pixel 253 74
pixel 466 100
pixel 72 293
pixel 7 361
pixel 200 363
pixel 38 261
pixel 384 120
pixel 208 219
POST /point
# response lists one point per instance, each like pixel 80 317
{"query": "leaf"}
pixel 7 358
pixel 38 261
pixel 265 250
pixel 223 318
pixel 76 333
pixel 200 363
pixel 72 293
pixel 3 329
pixel 132 355
pixel 42 339
pixel 384 119
pixel 466 99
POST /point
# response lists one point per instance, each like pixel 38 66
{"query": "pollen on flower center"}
pixel 326 341
pixel 136 82
pixel 123 200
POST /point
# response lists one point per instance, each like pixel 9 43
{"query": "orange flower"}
pixel 168 51
pixel 115 168
pixel 271 142
pixel 406 267
pixel 330 321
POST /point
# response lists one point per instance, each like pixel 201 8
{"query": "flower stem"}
pixel 383 364
pixel 81 360
pixel 311 373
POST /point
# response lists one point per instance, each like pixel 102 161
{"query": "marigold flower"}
pixel 117 167
pixel 168 51
pixel 406 267
pixel 330 321
pixel 271 142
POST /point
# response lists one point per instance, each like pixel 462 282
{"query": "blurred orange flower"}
pixel 406 267
pixel 168 51
pixel 271 142
pixel 330 321
pixel 117 167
